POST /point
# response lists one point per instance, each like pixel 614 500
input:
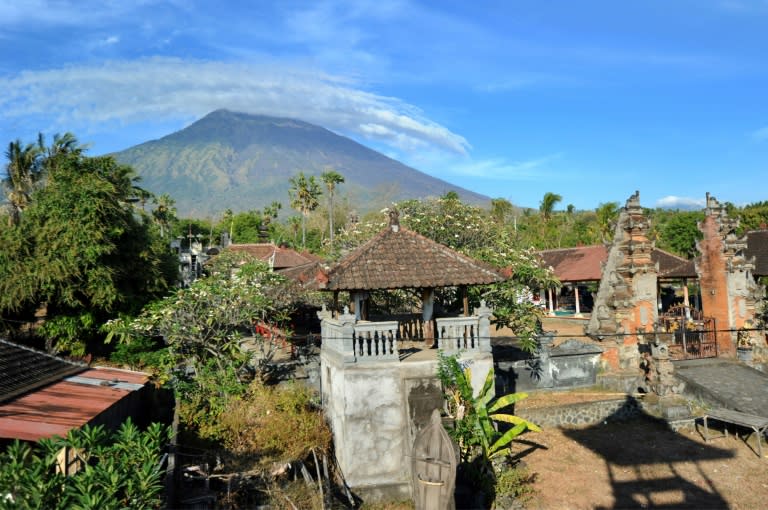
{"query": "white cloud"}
pixel 673 202
pixel 161 89
pixel 491 169
pixel 761 134
pixel 113 39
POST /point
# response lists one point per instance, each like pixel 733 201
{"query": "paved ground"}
pixel 733 385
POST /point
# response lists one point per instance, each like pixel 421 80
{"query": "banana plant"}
pixel 476 418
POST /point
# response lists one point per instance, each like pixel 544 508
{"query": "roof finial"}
pixel 394 219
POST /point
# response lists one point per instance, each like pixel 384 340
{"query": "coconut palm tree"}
pixel 23 171
pixel 548 204
pixel 305 197
pixel 331 178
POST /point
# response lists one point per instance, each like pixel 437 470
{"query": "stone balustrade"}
pixel 357 341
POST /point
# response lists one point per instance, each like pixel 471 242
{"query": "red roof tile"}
pixel 283 257
pixel 585 263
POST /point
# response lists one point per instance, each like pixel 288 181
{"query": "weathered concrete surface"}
pixel 572 364
pixel 375 410
pixel 725 383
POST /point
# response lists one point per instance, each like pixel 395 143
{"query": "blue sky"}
pixel 591 99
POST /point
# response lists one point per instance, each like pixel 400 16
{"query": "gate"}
pixel 693 336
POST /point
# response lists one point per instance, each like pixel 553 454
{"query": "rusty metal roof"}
pixel 585 263
pixel 71 402
pixel 23 369
pixel 398 258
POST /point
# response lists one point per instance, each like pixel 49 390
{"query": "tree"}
pixel 165 212
pixel 81 252
pixel 501 208
pixel 606 214
pixel 202 326
pixel 23 172
pixel 331 178
pixel 304 193
pixel 548 203
pixel 680 233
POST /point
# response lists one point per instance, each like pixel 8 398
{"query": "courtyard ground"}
pixel 642 464
pixel 638 464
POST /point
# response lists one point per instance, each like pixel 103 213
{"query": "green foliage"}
pixel 677 231
pixel 274 424
pixel 79 250
pixel 515 483
pixel 142 353
pixel 202 327
pixel 475 416
pixel 118 470
pixel 753 216
pixel 305 197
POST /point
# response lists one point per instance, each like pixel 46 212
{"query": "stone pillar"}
pixel 578 305
pixel 626 301
pixel 484 326
pixel 728 290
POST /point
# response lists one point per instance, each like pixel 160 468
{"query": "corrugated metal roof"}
pixel 398 258
pixel 67 403
pixel 23 369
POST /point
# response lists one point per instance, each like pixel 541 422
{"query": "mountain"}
pixel 242 162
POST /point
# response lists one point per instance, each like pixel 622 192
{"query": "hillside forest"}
pixel 86 271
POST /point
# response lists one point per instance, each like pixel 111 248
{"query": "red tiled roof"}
pixel 283 257
pixel 580 264
pixel 311 276
pixel 402 259
pixel 584 263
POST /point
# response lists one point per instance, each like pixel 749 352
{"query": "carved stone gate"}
pixel 689 333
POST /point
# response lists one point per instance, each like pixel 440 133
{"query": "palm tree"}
pixel 548 204
pixel 23 171
pixel 165 212
pixel 331 178
pixel 606 216
pixel 294 222
pixel 501 208
pixel 305 197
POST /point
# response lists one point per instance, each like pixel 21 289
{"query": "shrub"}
pixel 274 424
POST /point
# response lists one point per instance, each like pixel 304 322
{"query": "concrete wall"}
pixel 375 410
pixel 572 364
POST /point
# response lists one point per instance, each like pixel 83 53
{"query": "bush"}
pixel 119 470
pixel 274 424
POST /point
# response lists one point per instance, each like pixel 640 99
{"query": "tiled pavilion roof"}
pixel 584 263
pixel 398 258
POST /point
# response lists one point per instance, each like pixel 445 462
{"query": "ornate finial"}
pixel 394 219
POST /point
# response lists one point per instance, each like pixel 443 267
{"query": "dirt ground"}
pixel 639 464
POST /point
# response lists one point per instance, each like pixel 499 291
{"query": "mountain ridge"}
pixel 244 161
